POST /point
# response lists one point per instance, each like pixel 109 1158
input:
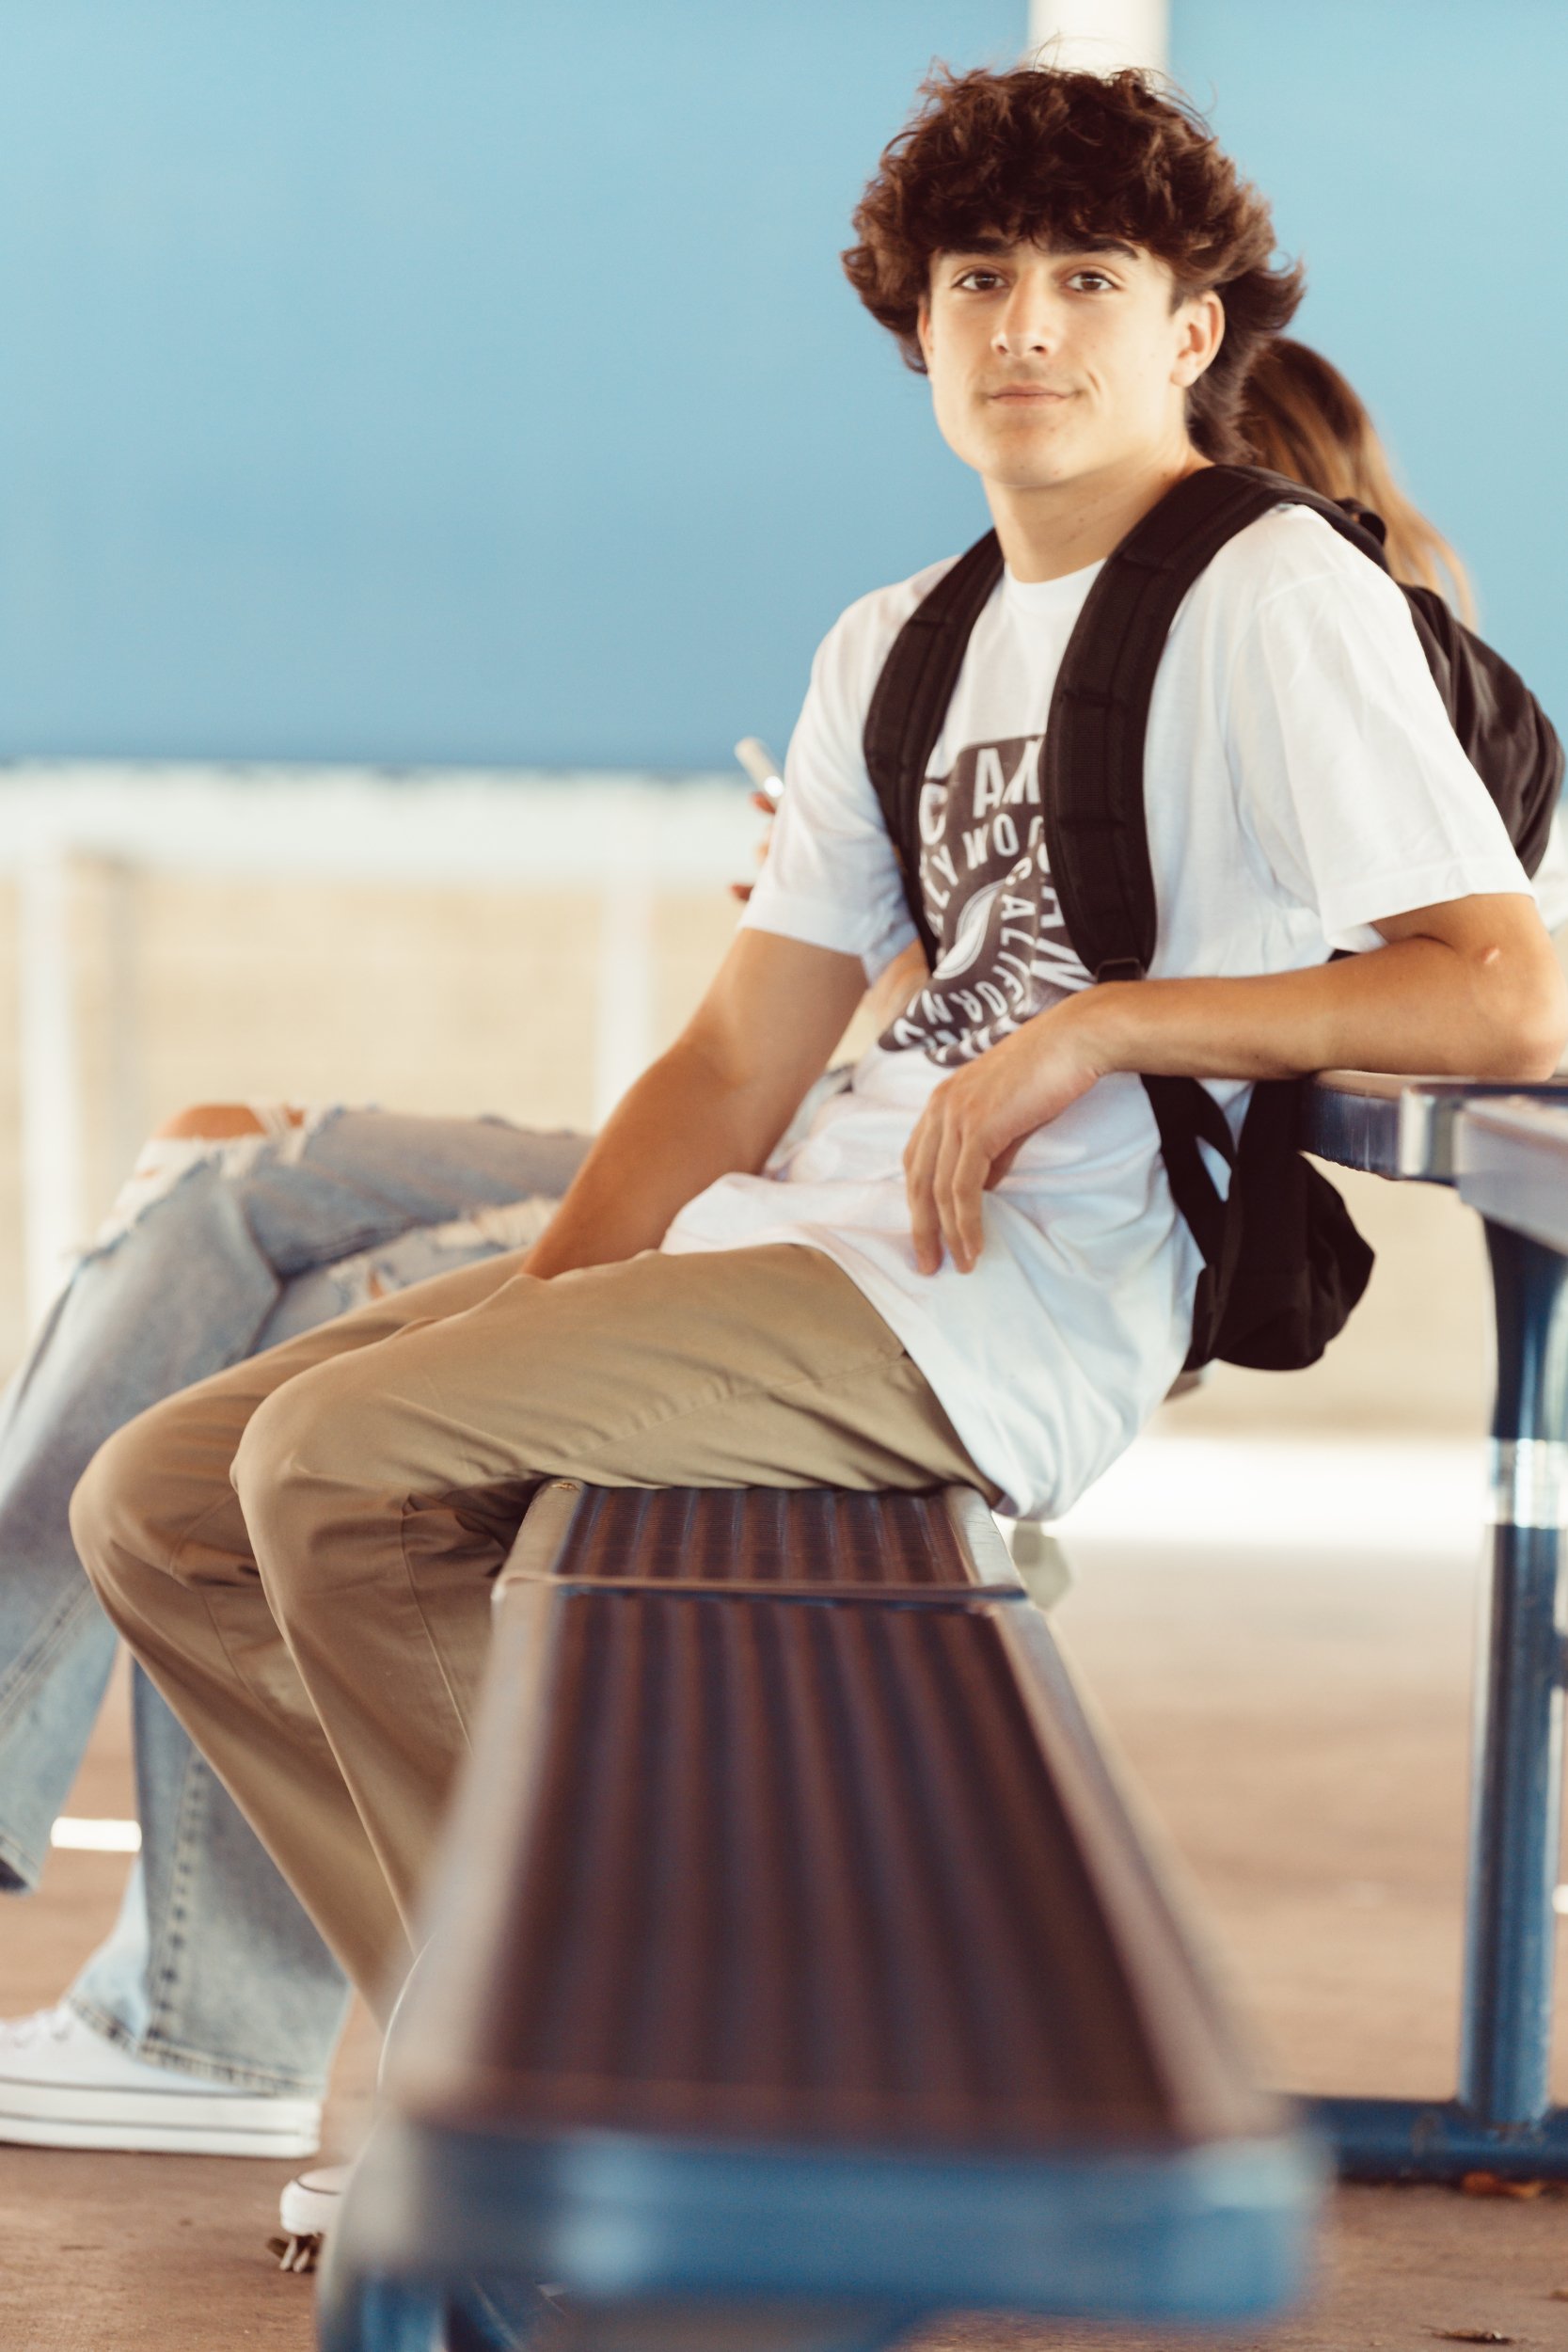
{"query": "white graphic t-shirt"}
pixel 1302 782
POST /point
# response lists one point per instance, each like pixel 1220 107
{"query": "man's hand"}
pixel 970 1132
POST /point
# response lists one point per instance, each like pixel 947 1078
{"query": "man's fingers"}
pixel 968 1216
pixel 919 1167
pixel 961 1180
pixel 947 1166
pixel 961 1161
pixel 942 1186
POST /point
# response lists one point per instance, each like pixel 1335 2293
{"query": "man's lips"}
pixel 1028 393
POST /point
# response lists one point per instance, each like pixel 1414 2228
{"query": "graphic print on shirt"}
pixel 986 883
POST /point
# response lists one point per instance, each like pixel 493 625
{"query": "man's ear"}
pixel 1203 319
pixel 922 328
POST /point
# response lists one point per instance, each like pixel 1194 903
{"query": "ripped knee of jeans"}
pixel 426 1249
pixel 230 1136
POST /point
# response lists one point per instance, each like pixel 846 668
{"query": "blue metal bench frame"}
pixel 1505 1151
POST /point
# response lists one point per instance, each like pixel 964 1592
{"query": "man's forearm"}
pixel 717 1101
pixel 668 1138
pixel 1413 1006
pixel 1487 1000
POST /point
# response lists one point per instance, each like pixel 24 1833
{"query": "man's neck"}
pixel 1046 533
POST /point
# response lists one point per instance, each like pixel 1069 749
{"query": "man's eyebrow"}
pixel 1093 244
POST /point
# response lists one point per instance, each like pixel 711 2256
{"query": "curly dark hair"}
pixel 1045 154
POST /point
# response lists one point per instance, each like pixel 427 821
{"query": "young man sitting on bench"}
pixel 971 1268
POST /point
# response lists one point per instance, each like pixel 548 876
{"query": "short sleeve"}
pixel 1348 774
pixel 829 876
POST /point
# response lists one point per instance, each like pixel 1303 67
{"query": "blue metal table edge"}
pixel 1503 1147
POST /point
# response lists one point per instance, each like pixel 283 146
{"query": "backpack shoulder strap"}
pixel 1092 789
pixel 910 703
pixel 1092 765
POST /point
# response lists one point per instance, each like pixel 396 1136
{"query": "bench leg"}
pixel 1516 1819
pixel 1502 2120
pixel 380 2314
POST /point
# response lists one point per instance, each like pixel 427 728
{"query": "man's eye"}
pixel 974 277
pixel 1097 276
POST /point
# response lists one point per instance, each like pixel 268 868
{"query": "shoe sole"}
pixel 145 2122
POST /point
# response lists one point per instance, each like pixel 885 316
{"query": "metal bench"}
pixel 1506 1151
pixel 798 1969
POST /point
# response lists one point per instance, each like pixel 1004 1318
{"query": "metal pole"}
pixel 50 1086
pixel 1516 1811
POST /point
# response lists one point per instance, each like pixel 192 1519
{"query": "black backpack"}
pixel 1283 1266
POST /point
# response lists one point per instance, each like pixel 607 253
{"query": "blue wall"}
pixel 470 380
pixel 473 379
pixel 1416 153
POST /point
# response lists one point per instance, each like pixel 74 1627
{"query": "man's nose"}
pixel 1029 323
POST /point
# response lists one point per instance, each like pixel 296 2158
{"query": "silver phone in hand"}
pixel 761 767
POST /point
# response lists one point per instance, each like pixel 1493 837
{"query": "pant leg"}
pixel 186 1280
pixel 320 1623
pixel 211 1966
pixel 210 1953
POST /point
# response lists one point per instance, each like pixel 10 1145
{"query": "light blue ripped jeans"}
pixel 213 1252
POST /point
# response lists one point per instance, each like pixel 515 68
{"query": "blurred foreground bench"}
pixel 799 1970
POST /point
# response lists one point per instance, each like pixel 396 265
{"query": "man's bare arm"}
pixel 717 1101
pixel 1471 988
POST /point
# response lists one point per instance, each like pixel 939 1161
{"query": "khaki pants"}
pixel 300 1549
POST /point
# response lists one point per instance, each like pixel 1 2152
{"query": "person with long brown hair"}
pixel 1299 416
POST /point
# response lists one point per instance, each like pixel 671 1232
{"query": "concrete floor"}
pixel 1299 1723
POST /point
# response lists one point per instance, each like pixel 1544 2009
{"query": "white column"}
pixel 51 1139
pixel 624 1039
pixel 125 1110
pixel 1098 36
pixel 623 1030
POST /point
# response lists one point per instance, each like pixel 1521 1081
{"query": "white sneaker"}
pixel 307 2210
pixel 64 2085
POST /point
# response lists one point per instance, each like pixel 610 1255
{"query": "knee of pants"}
pixel 301 1472
pixel 114 1510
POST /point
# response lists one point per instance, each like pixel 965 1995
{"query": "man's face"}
pixel 1049 364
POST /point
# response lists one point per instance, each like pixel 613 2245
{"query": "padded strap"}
pixel 1186 1115
pixel 1092 766
pixel 910 701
